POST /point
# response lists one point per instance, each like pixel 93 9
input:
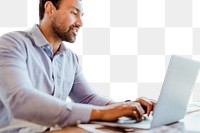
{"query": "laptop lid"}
pixel 176 90
pixel 174 96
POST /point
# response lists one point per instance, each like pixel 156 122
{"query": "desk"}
pixel 190 124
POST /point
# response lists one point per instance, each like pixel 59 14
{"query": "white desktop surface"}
pixel 190 124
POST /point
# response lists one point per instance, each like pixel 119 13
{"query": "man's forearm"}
pixel 95 115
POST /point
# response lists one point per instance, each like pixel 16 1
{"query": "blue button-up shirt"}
pixel 34 83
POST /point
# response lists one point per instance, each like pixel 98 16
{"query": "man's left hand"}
pixel 147 104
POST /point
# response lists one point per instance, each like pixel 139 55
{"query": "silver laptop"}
pixel 174 96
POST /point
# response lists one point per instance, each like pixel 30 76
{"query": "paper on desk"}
pixel 91 128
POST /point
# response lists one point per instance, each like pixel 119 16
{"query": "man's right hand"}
pixel 113 112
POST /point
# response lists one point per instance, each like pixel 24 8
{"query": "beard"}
pixel 64 35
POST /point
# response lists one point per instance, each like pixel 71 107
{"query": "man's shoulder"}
pixel 14 39
pixel 15 35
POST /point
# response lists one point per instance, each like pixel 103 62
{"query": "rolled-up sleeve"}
pixel 23 101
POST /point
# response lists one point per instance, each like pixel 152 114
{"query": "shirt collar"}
pixel 38 37
pixel 41 41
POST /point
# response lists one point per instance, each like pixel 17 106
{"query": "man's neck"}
pixel 53 40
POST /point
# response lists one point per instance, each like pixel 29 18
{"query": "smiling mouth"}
pixel 74 31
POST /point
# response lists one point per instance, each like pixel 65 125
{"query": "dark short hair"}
pixel 41 6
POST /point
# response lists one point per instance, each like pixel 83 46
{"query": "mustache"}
pixel 74 26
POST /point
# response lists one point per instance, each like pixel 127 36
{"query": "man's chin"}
pixel 71 40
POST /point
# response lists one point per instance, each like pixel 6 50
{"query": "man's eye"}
pixel 74 13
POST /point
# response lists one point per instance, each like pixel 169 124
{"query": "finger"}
pixel 153 103
pixel 148 106
pixel 139 108
pixel 146 103
pixel 149 109
pixel 131 111
pixel 136 115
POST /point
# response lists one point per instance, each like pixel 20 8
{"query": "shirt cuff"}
pixel 79 113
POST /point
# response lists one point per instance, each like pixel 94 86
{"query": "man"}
pixel 38 73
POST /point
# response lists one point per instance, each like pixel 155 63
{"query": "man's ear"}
pixel 49 8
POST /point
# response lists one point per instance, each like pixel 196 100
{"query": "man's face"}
pixel 67 20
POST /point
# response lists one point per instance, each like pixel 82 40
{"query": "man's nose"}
pixel 79 22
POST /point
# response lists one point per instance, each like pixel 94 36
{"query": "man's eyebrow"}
pixel 76 9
